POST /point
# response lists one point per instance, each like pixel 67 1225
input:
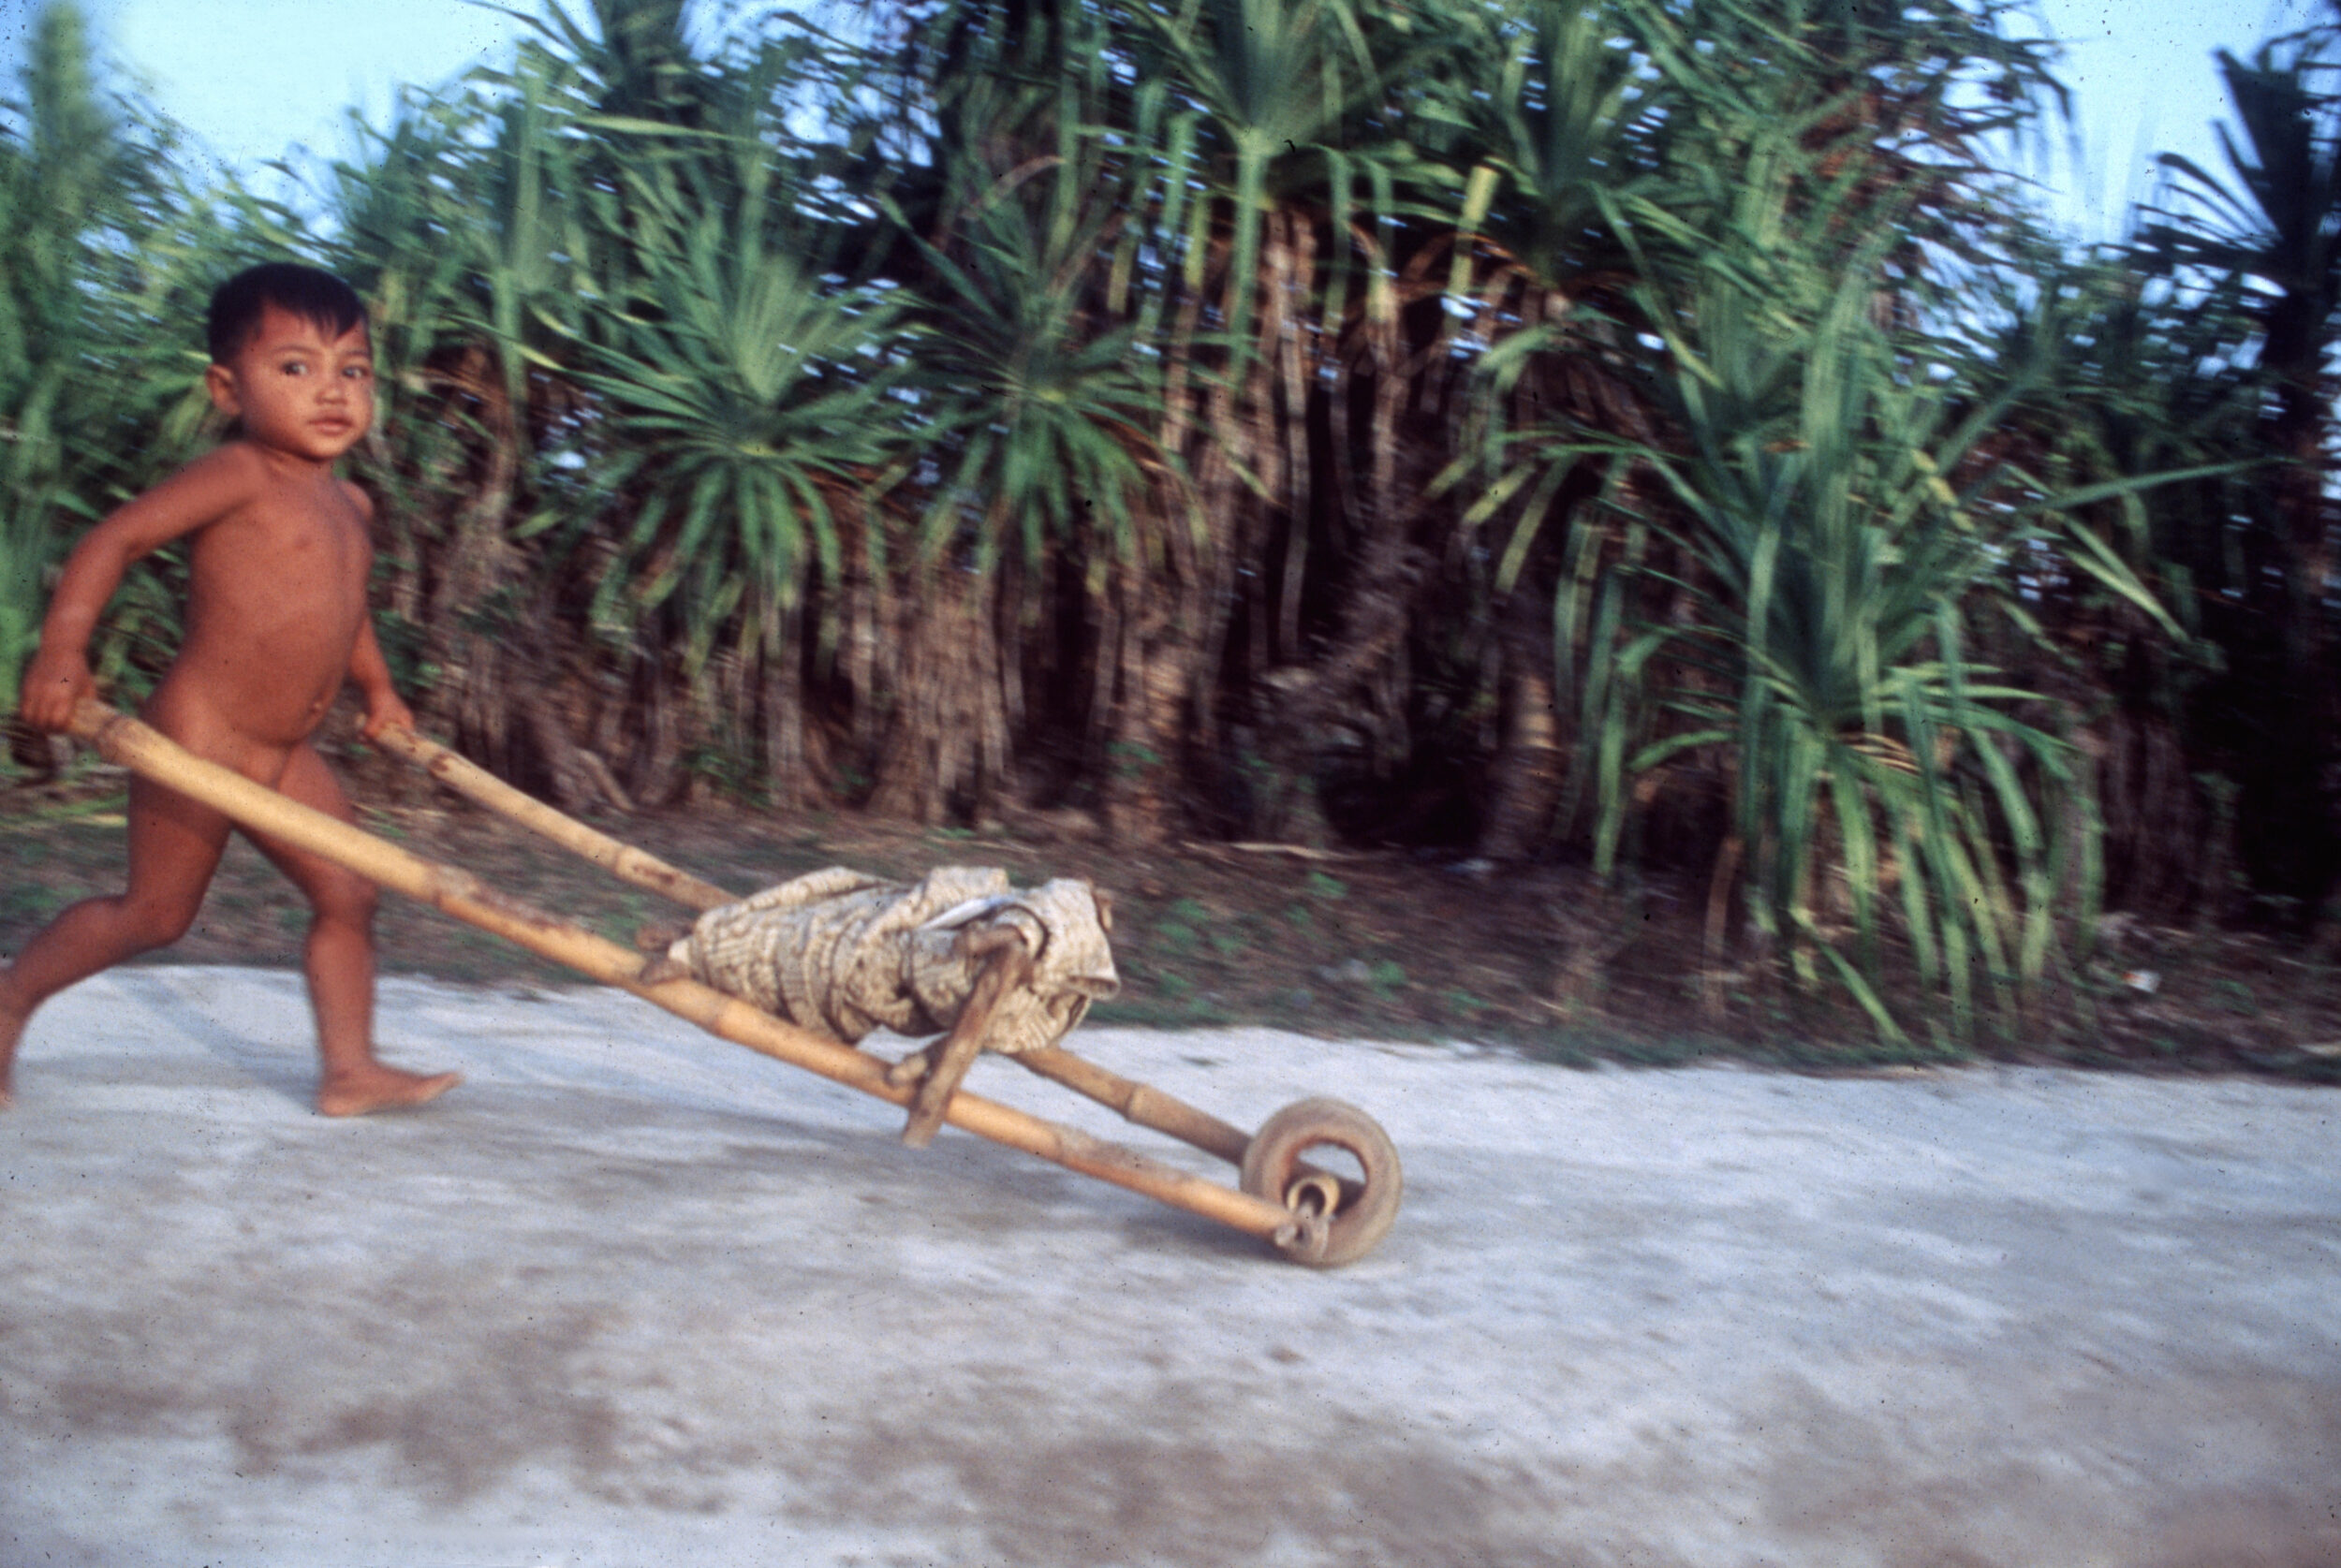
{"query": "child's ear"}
pixel 221 383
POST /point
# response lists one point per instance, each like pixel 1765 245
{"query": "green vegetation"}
pixel 1641 430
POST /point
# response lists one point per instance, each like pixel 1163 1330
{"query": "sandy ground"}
pixel 632 1296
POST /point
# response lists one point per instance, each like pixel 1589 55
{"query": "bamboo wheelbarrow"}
pixel 1310 1215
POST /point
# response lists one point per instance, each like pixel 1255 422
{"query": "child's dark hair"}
pixel 308 292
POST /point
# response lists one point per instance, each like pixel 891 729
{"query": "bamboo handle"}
pixel 1141 1105
pixel 146 751
pixel 1007 966
pixel 623 860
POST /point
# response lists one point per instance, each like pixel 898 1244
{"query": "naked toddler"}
pixel 278 556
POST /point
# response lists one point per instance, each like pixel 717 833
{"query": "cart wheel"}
pixel 1339 1222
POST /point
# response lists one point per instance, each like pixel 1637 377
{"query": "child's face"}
pixel 297 389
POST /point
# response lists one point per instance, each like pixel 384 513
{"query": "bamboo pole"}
pixel 465 777
pixel 144 751
pixel 1139 1103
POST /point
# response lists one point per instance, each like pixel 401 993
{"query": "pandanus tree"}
pixel 2274 224
pixel 103 265
pixel 743 406
pixel 1568 133
pixel 530 237
pixel 1050 484
pixel 466 227
pixel 1214 144
pixel 1629 427
pixel 1787 566
pixel 1829 637
pixel 2114 382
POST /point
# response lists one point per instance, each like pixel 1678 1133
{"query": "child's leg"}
pixel 174 848
pixel 339 959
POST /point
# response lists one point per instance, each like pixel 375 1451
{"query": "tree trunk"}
pixel 948 736
pixel 1525 785
pixel 1149 712
pixel 477 564
pixel 2302 718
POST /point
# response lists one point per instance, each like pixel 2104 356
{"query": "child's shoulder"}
pixel 232 479
pixel 237 469
pixel 201 491
pixel 233 464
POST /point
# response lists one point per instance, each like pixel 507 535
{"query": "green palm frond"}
pixel 1041 409
pixel 1274 77
pixel 1566 115
pixel 2277 220
pixel 743 395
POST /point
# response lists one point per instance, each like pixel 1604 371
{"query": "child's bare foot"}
pixel 374 1086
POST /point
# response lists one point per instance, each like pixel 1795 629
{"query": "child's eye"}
pixel 358 373
pixel 294 367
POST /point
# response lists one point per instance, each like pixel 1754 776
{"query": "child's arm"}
pixel 368 670
pixel 385 708
pixel 58 676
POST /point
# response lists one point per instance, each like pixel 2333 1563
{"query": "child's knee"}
pixel 157 921
pixel 346 897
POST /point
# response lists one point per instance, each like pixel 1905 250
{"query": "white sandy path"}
pixel 632 1296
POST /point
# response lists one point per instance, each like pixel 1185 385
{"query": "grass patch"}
pixel 1392 949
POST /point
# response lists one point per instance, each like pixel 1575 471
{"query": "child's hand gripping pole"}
pixel 1006 965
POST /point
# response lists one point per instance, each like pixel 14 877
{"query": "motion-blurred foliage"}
pixel 1653 430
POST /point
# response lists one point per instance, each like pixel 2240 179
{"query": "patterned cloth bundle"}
pixel 842 953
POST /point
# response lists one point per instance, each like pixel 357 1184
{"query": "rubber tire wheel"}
pixel 1275 1153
